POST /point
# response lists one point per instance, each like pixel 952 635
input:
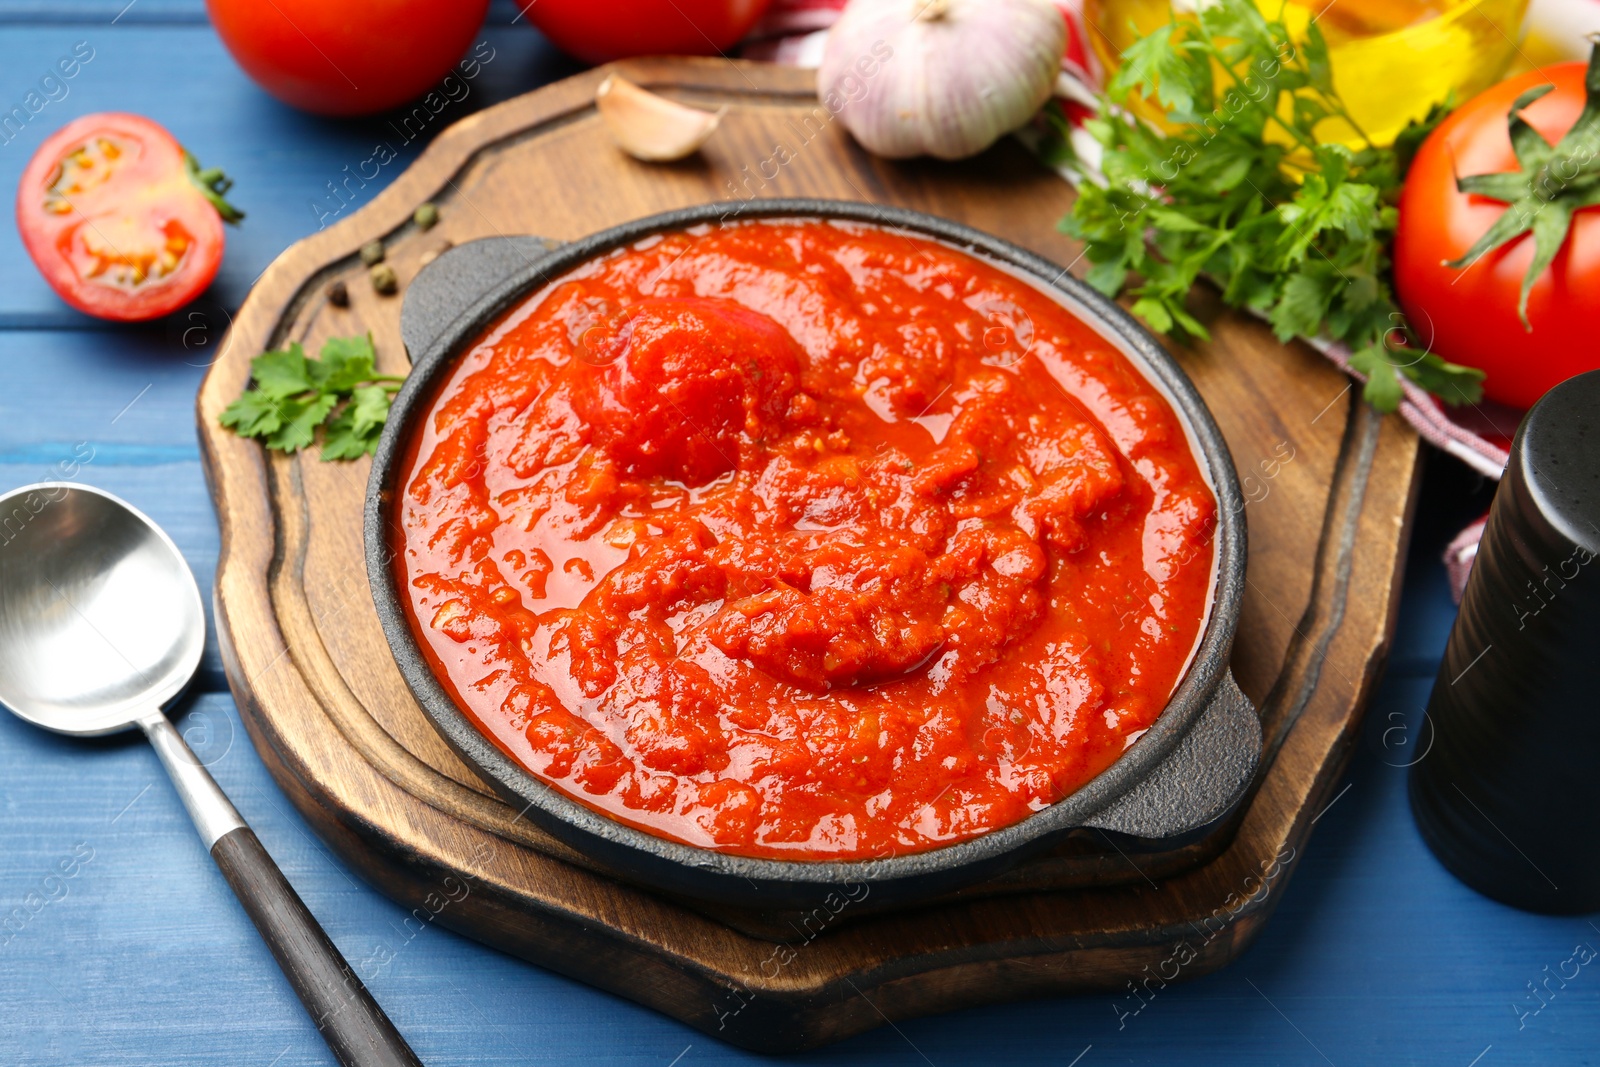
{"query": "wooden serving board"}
pixel 1330 487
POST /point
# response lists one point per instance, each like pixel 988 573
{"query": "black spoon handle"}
pixel 356 1029
pixel 350 1021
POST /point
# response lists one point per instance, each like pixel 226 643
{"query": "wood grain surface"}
pixel 1330 487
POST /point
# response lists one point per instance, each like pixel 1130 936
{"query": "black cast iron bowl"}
pixel 1174 785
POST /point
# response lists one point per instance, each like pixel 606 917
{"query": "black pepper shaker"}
pixel 1508 797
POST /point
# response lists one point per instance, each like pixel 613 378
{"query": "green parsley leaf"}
pixel 1153 61
pixel 1382 390
pixel 255 414
pixel 347 362
pixel 1244 193
pixel 294 395
pixel 301 419
pixel 1447 381
pixel 355 430
pixel 283 373
pixel 1303 303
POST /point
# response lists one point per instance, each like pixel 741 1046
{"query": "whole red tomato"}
pixel 119 219
pixel 1469 316
pixel 336 57
pixel 600 32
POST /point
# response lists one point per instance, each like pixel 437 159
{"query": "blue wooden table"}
pixel 141 956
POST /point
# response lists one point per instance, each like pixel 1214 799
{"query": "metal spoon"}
pixel 100 626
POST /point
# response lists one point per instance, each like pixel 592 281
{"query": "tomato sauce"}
pixel 804 540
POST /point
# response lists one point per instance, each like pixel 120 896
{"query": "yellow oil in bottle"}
pixel 1391 59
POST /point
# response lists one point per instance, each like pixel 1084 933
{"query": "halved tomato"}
pixel 120 220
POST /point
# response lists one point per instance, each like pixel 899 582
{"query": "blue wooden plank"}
pixel 156 12
pixel 120 390
pixel 281 160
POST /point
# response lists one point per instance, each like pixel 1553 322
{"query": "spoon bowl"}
pixel 100 617
pixel 100 625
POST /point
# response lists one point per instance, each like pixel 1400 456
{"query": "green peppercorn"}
pixel 372 253
pixel 425 216
pixel 384 279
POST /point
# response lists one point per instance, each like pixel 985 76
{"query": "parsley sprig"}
pixel 1241 190
pixel 295 394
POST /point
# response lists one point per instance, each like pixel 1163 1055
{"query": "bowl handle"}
pixel 437 297
pixel 1200 783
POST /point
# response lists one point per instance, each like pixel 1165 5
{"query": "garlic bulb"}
pixel 944 78
pixel 651 127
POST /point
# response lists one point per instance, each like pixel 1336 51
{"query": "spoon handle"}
pixel 351 1022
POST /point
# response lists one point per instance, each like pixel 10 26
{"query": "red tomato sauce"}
pixel 804 540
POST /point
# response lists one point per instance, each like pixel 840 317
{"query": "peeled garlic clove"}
pixel 651 127
pixel 943 78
